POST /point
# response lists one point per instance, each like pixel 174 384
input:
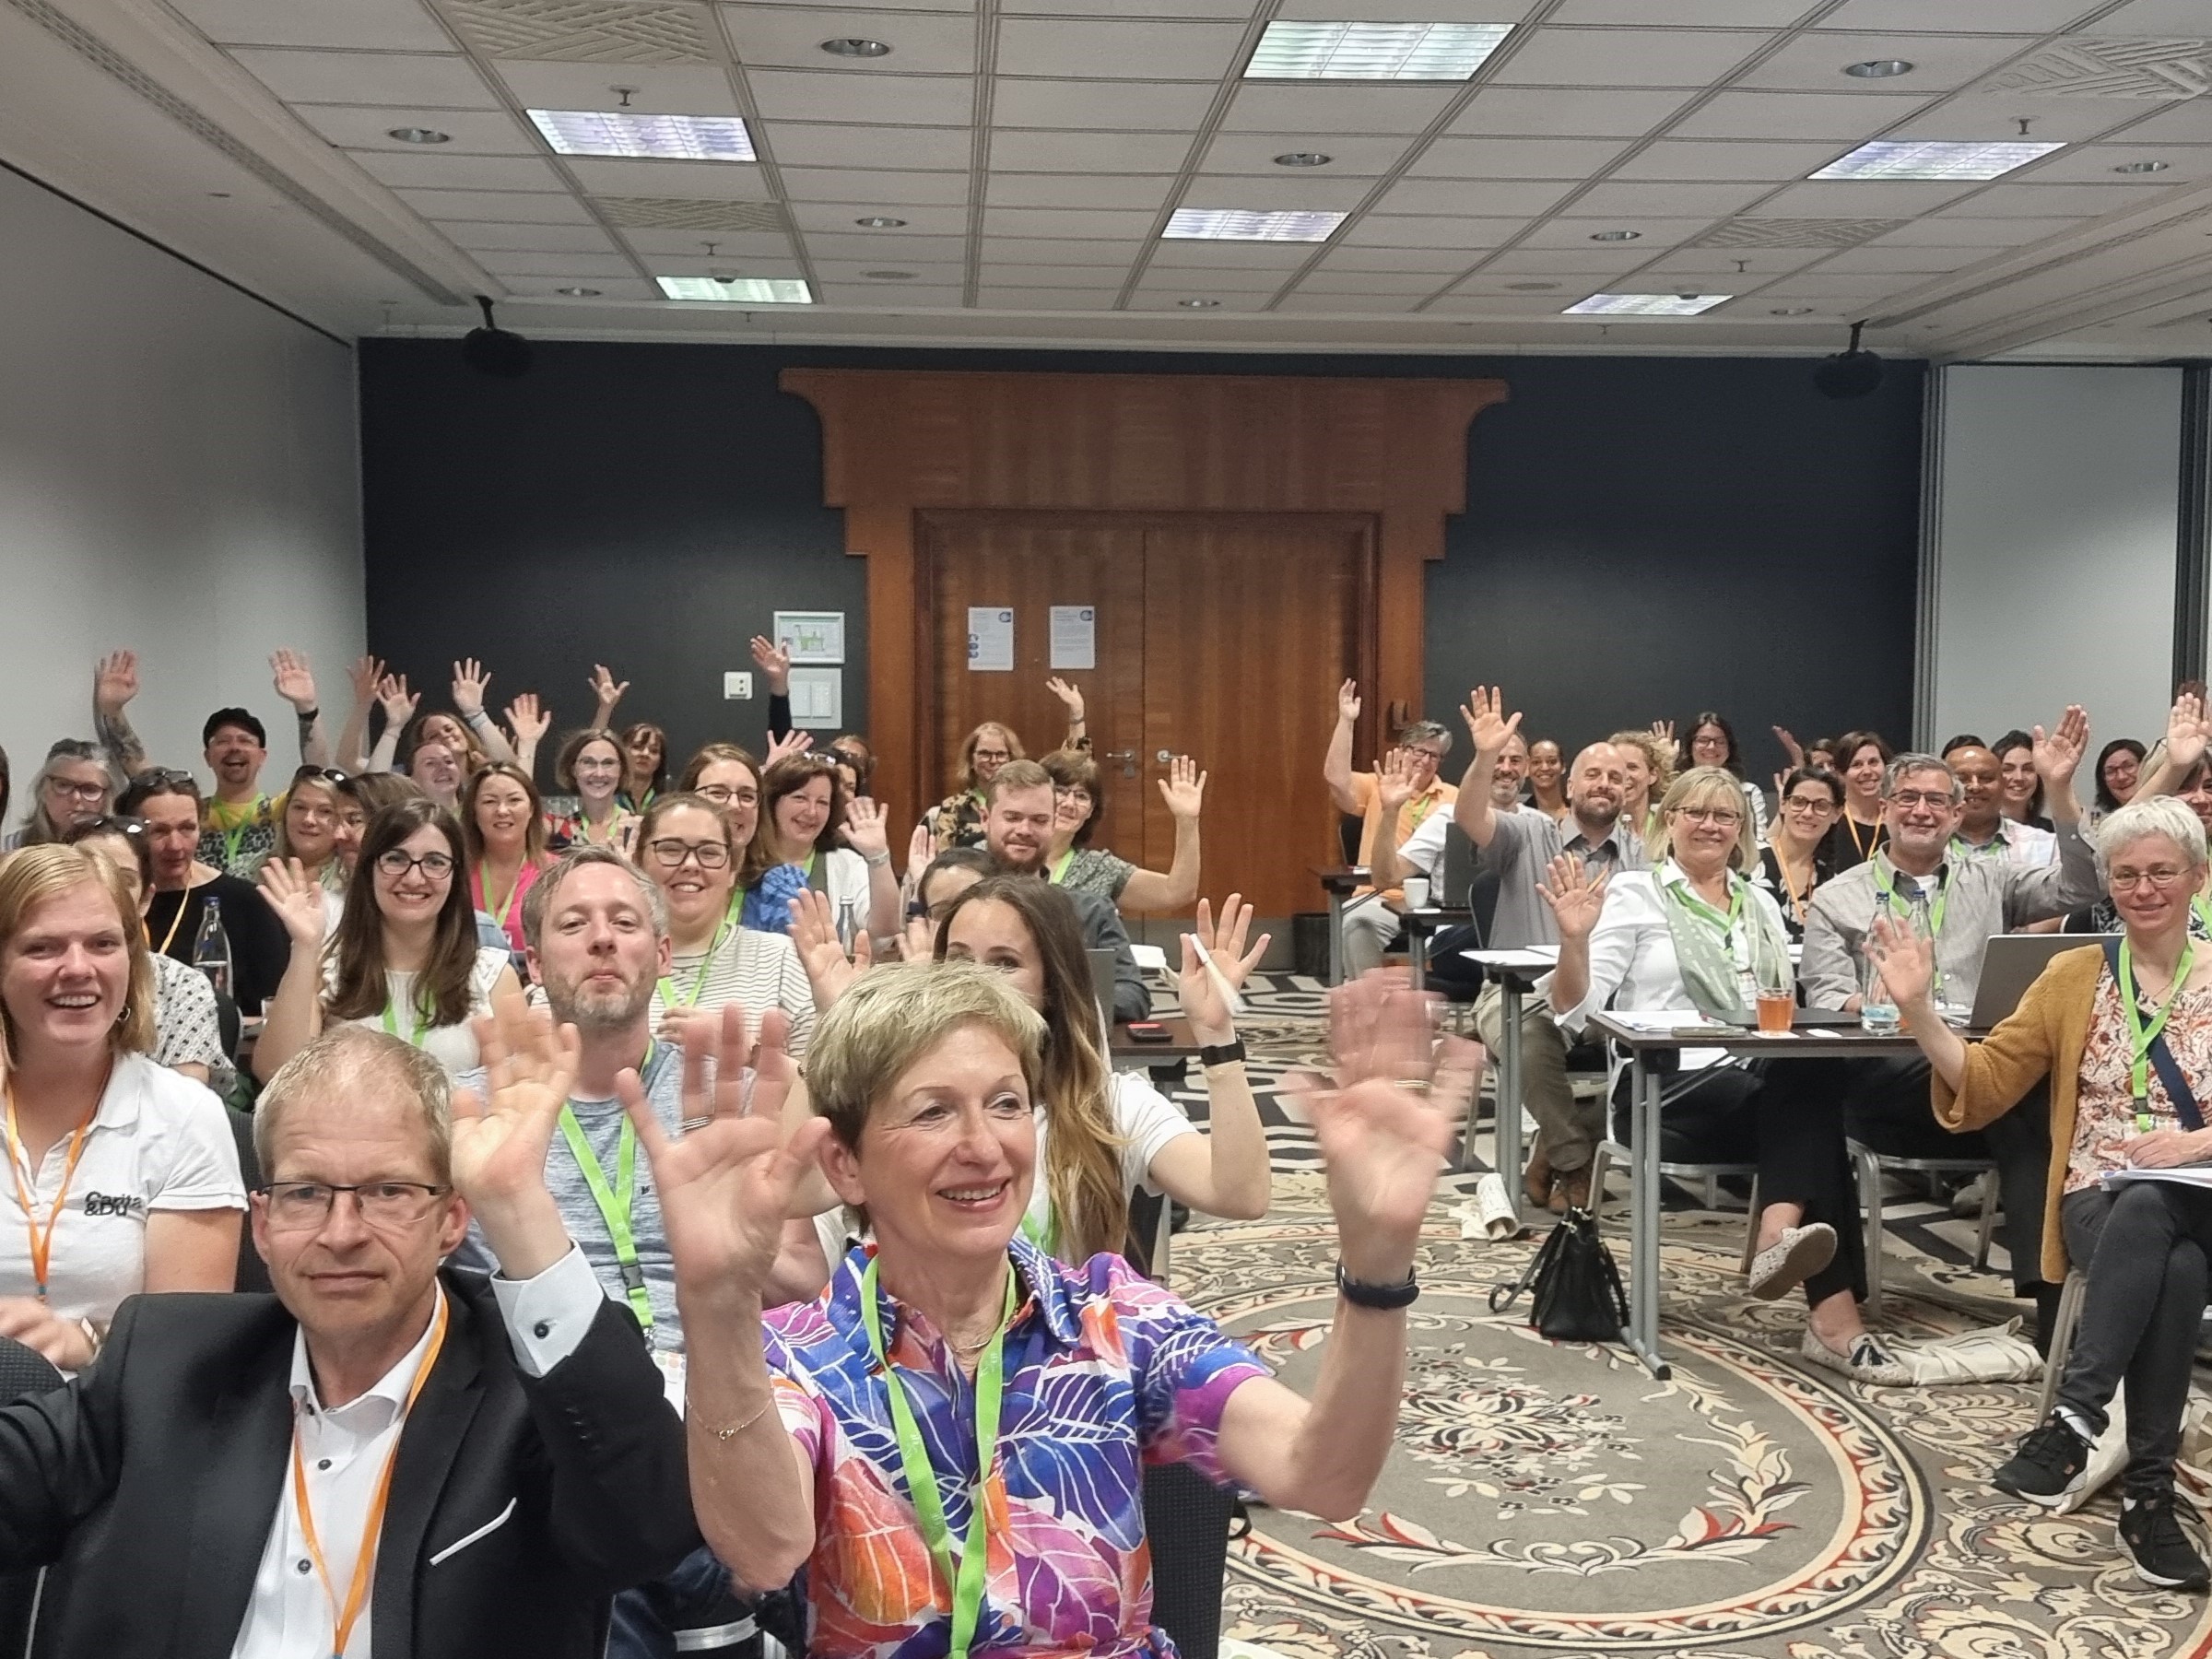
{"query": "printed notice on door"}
pixel 1074 636
pixel 990 639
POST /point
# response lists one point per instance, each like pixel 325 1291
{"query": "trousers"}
pixel 1570 1128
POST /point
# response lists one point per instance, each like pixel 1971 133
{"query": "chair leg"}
pixel 1751 1227
pixel 1869 1168
pixel 1713 1191
pixel 1988 1229
pixel 2071 1295
pixel 1601 1159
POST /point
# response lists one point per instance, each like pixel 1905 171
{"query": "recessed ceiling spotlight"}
pixel 854 46
pixel 1878 68
pixel 1303 159
pixel 1615 235
pixel 1530 287
pixel 1790 311
pixel 2140 167
pixel 1198 305
pixel 579 293
pixel 420 135
pixel 879 221
pixel 888 276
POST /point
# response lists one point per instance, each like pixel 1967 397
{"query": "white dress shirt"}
pixel 344 1448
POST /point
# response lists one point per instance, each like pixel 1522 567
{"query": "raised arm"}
pixel 866 831
pixel 470 682
pixel 1184 789
pixel 527 723
pixel 353 737
pixel 114 683
pixel 295 682
pixel 1908 967
pixel 293 1017
pixel 774 663
pixel 1337 764
pixel 1079 729
pixel 2187 733
pixel 1224 1171
pixel 2053 889
pixel 1577 899
pixel 606 692
pixel 1394 788
pixel 399 705
pixel 1492 729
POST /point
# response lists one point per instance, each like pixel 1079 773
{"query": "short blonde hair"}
pixel 1708 786
pixel 1658 755
pixel 353 1061
pixel 2147 816
pixel 892 1017
pixel 35 875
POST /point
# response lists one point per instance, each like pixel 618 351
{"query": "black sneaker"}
pixel 2049 1465
pixel 2154 1540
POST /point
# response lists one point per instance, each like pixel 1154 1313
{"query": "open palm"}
pixel 502 1138
pixel 296 898
pixel 1207 1010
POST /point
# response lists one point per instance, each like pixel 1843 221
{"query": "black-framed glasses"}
pixel 723 795
pixel 78 791
pixel 670 853
pixel 399 863
pixel 305 1204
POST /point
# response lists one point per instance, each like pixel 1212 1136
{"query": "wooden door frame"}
pixel 897 442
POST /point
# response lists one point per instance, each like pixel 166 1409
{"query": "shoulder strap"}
pixel 2162 1061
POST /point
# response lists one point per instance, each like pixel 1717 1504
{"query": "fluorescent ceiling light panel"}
pixel 1230 224
pixel 664 137
pixel 1933 159
pixel 741 290
pixel 1646 305
pixel 1418 52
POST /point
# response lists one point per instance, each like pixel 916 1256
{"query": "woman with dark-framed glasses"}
pixel 403 958
pixel 73 788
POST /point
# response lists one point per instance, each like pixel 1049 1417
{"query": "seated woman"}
pixel 405 956
pixel 307 831
pixel 2185 773
pixel 860 1434
pixel 2022 784
pixel 1799 856
pixel 958 819
pixel 729 777
pixel 360 798
pixel 2124 1033
pixel 1710 740
pixel 686 846
pixel 168 803
pixel 1692 932
pixel 645 753
pixel 1073 863
pixel 188 1027
pixel 589 769
pixel 504 828
pixel 1649 762
pixel 857 758
pixel 839 844
pixel 1547 780
pixel 73 788
pixel 2119 769
pixel 88 1113
pixel 1862 758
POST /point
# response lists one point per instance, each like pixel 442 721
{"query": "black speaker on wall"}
pixel 492 350
pixel 1850 372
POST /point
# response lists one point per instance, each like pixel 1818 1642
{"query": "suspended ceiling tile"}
pixel 435 169
pixel 2093 163
pixel 1127 49
pixel 895 250
pixel 1904 261
pixel 1818 285
pixel 853 185
pixel 690 213
pixel 1797 115
pixel 1260 263
pixel 388 77
pixel 501 206
pixel 1862 199
pixel 1628 58
pixel 629 287
pixel 817 144
pixel 1060 221
pixel 573 267
pixel 2185 123
pixel 1978 114
pixel 1350 259
pixel 1950 230
pixel 1305 302
pixel 937 271
pixel 478 237
pixel 1129 9
pixel 1083 252
pixel 1320 108
pixel 1467 157
pixel 1329 280
pixel 921 218
pixel 380 25
pixel 1227 303
pixel 1177 106
pixel 1474 197
pixel 717 181
pixel 655 246
pixel 632 32
pixel 1461 304
pixel 1653 235
pixel 1762 263
pixel 1715 14
pixel 1572 111
pixel 1406 230
pixel 996 297
pixel 723 262
pixel 472 132
pixel 893 296
pixel 792 37
pixel 1078 151
pixel 1774 162
pixel 1962 17
pixel 1584 261
pixel 834 95
pixel 1350 155
pixel 1408 11
pixel 1814 63
pixel 2040 201
pixel 1077 190
pixel 1631 202
pixel 656 88
pixel 2170 19
pixel 1191 279
pixel 1287 190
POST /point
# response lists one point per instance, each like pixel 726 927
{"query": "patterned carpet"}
pixel 1557 1501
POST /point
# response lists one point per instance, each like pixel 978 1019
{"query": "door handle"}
pixel 1127 757
pixel 1164 756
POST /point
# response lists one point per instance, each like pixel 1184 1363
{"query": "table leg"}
pixel 1335 937
pixel 1507 1141
pixel 1644 1216
pixel 1416 957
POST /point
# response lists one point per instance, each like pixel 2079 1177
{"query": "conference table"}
pixel 1647 1037
pixel 1124 1052
pixel 1339 882
pixel 1516 972
pixel 1422 926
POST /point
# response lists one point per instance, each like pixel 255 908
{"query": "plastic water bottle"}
pixel 211 947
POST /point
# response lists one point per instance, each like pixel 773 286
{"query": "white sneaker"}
pixel 1786 1264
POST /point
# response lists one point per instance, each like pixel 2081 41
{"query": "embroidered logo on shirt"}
pixel 114 1204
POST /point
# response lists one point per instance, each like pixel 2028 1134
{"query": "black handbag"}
pixel 1577 1295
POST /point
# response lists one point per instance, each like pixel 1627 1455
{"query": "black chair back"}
pixel 1187 1519
pixel 252 1272
pixel 24 1371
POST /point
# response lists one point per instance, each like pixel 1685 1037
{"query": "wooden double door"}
pixel 1222 636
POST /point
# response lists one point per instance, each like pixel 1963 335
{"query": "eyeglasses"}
pixel 1726 817
pixel 297 1206
pixel 670 854
pixel 399 863
pixel 993 754
pixel 723 794
pixel 2162 876
pixel 1910 798
pixel 77 792
pixel 1819 803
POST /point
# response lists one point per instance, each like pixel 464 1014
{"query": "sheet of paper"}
pixel 818 699
pixel 2196 1175
pixel 990 639
pixel 1074 636
pixel 812 636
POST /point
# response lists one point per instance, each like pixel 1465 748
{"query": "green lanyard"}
pixel 484 888
pixel 2203 913
pixel 698 980
pixel 966 1576
pixel 235 837
pixel 413 1037
pixel 614 1207
pixel 1724 925
pixel 1044 1234
pixel 1059 873
pixel 2140 1037
pixel 1887 887
pixel 807 864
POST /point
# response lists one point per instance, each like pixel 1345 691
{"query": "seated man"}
pixel 1019 807
pixel 1984 829
pixel 1370 914
pixel 230 1469
pixel 1959 903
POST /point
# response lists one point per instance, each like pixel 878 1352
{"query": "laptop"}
pixel 2010 963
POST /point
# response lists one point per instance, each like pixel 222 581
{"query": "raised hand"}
pixel 1393 781
pixel 1663 730
pixel 921 849
pixel 605 688
pixel 469 683
pixel 397 702
pixel 1347 701
pixel 726 1183
pixel 1184 789
pixel 791 743
pixel 1906 958
pixel 2188 732
pixel 295 680
pixel 867 828
pixel 1576 896
pixel 501 1139
pixel 1790 745
pixel 1488 723
pixel 774 663
pixel 114 681
pixel 297 898
pixel 2059 752
pixel 1070 699
pixel 917 939
pixel 821 952
pixel 527 720
pixel 1202 1004
pixel 365 672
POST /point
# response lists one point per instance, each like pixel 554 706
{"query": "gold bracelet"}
pixel 726 1435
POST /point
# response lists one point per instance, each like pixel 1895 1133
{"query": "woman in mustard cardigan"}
pixel 2124 1034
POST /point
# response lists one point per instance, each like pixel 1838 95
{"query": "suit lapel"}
pixel 427 1447
pixel 238 1492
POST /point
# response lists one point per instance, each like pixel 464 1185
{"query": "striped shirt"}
pixel 755 970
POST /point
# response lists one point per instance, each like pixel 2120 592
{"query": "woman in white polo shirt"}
pixel 124 1175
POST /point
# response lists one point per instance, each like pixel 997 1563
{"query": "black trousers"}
pixel 2145 1247
pixel 1785 1116
pixel 1886 1106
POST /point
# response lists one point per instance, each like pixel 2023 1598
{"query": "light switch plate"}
pixel 737 688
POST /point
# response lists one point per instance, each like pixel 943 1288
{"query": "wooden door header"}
pixel 1203 442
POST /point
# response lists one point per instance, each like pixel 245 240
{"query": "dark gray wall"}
pixel 1644 536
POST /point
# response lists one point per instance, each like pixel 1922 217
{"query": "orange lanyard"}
pixel 1866 849
pixel 41 1243
pixel 1788 890
pixel 342 1619
pixel 175 922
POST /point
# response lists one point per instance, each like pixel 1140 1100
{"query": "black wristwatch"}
pixel 1384 1297
pixel 1227 1054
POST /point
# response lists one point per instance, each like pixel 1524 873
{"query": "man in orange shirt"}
pixel 1370 919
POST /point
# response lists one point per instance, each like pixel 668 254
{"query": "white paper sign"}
pixel 990 639
pixel 812 636
pixel 1074 636
pixel 818 699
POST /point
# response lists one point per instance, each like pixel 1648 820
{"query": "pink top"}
pixel 510 918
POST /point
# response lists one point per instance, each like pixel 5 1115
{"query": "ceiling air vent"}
pixel 1796 232
pixel 2114 68
pixel 584 32
pixel 677 213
